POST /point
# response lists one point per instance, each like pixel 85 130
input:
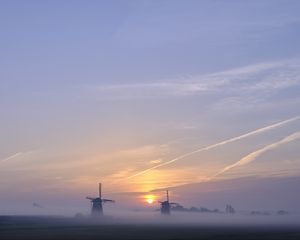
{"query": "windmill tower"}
pixel 97 203
pixel 165 206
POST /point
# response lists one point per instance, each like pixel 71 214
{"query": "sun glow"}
pixel 150 199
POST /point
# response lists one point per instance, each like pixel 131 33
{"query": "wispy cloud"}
pixel 252 133
pixel 254 155
pixel 258 78
pixel 156 161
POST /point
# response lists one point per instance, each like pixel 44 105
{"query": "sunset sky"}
pixel 96 91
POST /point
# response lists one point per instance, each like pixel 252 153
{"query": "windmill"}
pixel 165 208
pixel 97 203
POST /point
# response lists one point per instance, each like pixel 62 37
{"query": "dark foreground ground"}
pixel 64 228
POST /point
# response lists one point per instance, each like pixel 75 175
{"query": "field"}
pixel 17 227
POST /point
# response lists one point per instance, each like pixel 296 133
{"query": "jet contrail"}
pixel 255 132
pixel 18 154
pixel 252 156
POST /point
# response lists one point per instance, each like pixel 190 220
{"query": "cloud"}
pixel 254 155
pixel 252 133
pixel 259 79
pixel 145 151
pixel 156 161
pixel 146 90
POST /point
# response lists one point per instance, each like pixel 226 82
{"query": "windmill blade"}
pixel 90 198
pixel 168 195
pixel 108 200
pixel 100 190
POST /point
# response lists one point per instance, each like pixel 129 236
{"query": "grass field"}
pixel 13 227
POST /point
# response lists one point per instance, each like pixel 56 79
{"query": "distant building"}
pixel 229 209
pixel 282 212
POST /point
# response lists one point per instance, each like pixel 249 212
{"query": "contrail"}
pixel 254 155
pixel 255 132
pixel 18 154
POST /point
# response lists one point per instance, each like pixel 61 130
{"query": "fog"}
pixel 141 217
pixel 262 196
pixel 201 212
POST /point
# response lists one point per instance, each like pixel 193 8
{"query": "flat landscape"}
pixel 20 227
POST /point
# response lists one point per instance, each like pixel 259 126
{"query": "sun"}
pixel 149 199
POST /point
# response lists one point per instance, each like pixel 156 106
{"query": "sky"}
pixel 145 95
